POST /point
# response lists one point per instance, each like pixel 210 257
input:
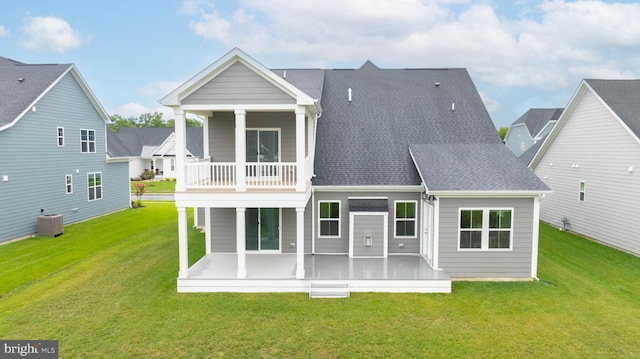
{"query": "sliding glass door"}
pixel 263 229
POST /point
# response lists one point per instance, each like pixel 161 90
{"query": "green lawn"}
pixel 106 289
pixel 157 186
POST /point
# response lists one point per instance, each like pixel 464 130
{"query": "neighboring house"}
pixel 52 149
pixel 528 132
pixel 591 161
pixel 362 179
pixel 152 148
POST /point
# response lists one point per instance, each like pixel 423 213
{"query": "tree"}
pixel 502 132
pixel 117 122
pixel 147 120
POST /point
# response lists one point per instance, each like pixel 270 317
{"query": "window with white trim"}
pixel 68 179
pixel 173 164
pixel 60 135
pixel 485 229
pixel 329 219
pixel 87 141
pixel 581 190
pixel 94 185
pixel 405 219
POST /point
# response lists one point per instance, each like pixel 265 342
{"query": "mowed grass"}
pixel 157 186
pixel 106 289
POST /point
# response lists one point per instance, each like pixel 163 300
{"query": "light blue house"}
pixel 528 132
pixel 53 149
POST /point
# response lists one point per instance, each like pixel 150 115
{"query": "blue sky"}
pixel 520 54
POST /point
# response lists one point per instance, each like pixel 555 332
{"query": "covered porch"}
pixel 277 273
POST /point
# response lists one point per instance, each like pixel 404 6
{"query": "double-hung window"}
pixel 94 185
pixel 485 229
pixel 87 141
pixel 329 219
pixel 405 219
pixel 68 179
pixel 60 135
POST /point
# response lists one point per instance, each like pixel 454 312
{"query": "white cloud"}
pixel 3 31
pixel 157 88
pixel 491 104
pixel 550 46
pixel 51 33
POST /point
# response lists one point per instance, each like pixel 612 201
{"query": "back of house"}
pixel 53 149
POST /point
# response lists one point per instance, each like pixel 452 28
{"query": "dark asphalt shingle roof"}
pixel 623 97
pixel 366 141
pixel 536 118
pixel 130 141
pixel 309 81
pixel 473 167
pixel 16 96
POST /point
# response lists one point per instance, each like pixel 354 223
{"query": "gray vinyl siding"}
pixel 222 137
pixel 223 230
pixel 368 226
pixel 486 264
pixel 222 133
pixel 341 245
pixel 603 150
pixel 238 85
pixel 200 213
pixel 36 167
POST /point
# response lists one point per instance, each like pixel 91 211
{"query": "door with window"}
pixel 263 229
pixel 263 147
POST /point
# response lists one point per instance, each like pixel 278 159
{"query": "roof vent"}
pixel 21 79
pixel 437 84
pixel 349 91
pixel 453 106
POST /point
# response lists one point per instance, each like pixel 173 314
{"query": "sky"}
pixel 520 54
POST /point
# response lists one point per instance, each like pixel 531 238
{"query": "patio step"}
pixel 329 289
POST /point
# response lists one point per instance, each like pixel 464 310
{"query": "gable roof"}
pixel 473 167
pixel 22 85
pixel 366 141
pixel 236 55
pixel 145 141
pixel 537 118
pixel 620 97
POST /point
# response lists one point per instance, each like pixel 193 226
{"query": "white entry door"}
pixel 427 235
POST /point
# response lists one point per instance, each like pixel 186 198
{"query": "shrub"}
pixel 147 175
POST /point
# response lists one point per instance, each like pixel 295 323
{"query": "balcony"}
pixel 224 176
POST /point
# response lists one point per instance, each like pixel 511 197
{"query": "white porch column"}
pixel 299 243
pixel 207 229
pixel 535 234
pixel 205 137
pixel 181 148
pixel 300 144
pixel 183 246
pixel 241 149
pixel 241 243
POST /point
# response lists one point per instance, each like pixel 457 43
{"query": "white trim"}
pixel 484 230
pixel 582 190
pixel 436 235
pixel 88 141
pixel 94 186
pixel 488 194
pixel 415 219
pixel 59 137
pixel 535 238
pixel 339 219
pixel 313 222
pixel 68 183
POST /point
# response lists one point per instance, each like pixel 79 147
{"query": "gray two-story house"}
pixel 53 149
pixel 363 179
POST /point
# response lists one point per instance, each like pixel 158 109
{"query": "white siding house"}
pixel 591 162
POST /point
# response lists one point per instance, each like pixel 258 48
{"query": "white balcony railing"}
pixel 222 175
